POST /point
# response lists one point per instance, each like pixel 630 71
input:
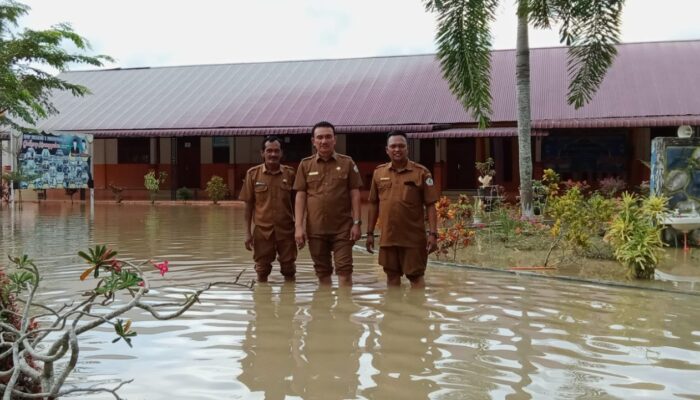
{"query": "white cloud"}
pixel 161 32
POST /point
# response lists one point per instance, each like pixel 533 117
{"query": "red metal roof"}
pixel 654 81
pixel 274 130
pixel 474 132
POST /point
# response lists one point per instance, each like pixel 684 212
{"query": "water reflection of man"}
pixel 402 193
pixel 329 352
pixel 269 343
pixel 267 193
pixel 405 350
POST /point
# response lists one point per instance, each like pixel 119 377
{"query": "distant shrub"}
pixel 152 182
pixel 216 189
pixel 184 194
pixel 610 187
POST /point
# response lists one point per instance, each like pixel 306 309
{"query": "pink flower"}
pixel 116 266
pixel 162 267
pixel 142 283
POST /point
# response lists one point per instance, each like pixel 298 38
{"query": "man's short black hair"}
pixel 270 139
pixel 396 133
pixel 322 124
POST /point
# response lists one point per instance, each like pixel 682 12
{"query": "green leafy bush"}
pixel 578 219
pixel 635 234
pixel 216 189
pixel 184 194
pixel 152 183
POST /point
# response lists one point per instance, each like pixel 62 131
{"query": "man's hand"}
pixel 248 241
pixel 300 237
pixel 355 233
pixel 432 243
pixel 369 243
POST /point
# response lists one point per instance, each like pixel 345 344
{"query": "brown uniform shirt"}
pixel 327 185
pixel 271 194
pixel 401 196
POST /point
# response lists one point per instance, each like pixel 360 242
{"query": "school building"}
pixel 197 121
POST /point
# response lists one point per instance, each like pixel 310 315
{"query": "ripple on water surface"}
pixel 470 335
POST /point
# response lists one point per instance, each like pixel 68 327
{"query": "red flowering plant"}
pixel 456 231
pixel 49 350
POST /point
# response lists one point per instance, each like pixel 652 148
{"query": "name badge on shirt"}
pixel 284 180
pixel 258 183
pixel 313 173
pixel 384 179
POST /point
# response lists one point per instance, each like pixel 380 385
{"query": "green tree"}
pixel 590 28
pixel 26 89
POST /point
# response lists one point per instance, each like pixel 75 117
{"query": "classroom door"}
pixel 461 155
pixel 188 162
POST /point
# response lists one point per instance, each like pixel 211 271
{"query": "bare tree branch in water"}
pixel 36 359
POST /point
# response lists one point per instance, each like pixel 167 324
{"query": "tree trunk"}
pixel 522 73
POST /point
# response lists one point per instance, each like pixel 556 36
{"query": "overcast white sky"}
pixel 170 32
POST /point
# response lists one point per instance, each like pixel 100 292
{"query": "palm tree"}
pixel 590 29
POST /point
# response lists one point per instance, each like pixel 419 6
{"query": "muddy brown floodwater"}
pixel 470 335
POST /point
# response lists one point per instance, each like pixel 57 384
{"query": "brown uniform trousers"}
pixel 273 216
pixel 402 196
pixel 327 184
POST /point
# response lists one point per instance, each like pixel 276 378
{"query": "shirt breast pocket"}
pixel 384 190
pixel 412 193
pixel 261 192
pixel 313 181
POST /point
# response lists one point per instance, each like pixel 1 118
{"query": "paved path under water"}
pixel 470 335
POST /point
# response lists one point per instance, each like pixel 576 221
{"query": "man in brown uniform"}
pixel 401 190
pixel 267 191
pixel 328 194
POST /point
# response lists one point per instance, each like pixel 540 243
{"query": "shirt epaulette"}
pixel 308 158
pixel 381 166
pixel 420 166
pixel 252 169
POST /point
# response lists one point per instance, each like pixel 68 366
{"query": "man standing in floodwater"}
pixel 328 195
pixel 402 192
pixel 267 193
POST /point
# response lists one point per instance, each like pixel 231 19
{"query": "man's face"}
pixel 324 140
pixel 272 154
pixel 397 149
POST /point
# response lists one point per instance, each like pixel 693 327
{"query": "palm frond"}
pixel 464 51
pixel 592 29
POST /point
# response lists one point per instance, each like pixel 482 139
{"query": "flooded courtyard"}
pixel 469 335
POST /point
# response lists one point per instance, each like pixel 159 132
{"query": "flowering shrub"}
pixel 454 219
pixel 49 352
pixel 610 187
pixel 152 183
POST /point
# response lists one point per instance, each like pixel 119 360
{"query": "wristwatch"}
pixel 357 222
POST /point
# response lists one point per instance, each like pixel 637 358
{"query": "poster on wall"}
pixel 56 161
